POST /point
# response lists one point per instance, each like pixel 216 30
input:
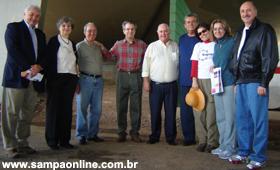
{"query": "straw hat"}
pixel 195 99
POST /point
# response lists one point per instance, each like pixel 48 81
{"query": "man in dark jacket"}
pixel 255 57
pixel 25 59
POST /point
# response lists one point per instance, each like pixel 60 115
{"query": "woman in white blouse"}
pixel 205 121
pixel 61 75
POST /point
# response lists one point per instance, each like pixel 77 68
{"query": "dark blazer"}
pixel 52 49
pixel 21 55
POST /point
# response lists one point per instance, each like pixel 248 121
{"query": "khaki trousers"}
pixel 18 106
pixel 205 121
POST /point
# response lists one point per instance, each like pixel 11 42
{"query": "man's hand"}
pixel 100 45
pixel 35 69
pixel 261 91
pixel 146 84
pixel 25 73
pixel 77 91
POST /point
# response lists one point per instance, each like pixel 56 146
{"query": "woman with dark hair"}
pixel 61 75
pixel 205 120
pixel 224 101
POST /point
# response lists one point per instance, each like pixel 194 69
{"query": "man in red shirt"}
pixel 129 53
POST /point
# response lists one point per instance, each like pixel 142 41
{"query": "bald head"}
pixel 163 32
pixel 248 13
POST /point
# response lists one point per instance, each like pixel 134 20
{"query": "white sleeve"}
pixel 195 54
pixel 147 62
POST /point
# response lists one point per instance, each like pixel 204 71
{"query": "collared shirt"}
pixel 161 62
pixel 129 56
pixel 66 59
pixel 33 37
pixel 90 58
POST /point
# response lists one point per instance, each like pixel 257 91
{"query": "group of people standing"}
pixel 233 124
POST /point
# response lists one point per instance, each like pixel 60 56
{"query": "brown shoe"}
pixel 26 150
pixel 122 138
pixel 201 147
pixel 13 154
pixel 136 138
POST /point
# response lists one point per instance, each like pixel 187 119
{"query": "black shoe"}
pixel 13 154
pixel 209 148
pixel 122 138
pixel 201 147
pixel 152 141
pixel 67 146
pixel 26 150
pixel 172 143
pixel 83 141
pixel 54 147
pixel 96 139
pixel 189 143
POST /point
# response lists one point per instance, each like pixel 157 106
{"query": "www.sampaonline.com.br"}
pixel 81 164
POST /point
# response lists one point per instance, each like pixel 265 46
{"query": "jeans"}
pixel 91 92
pixel 252 121
pixel 225 118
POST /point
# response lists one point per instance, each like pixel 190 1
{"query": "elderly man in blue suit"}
pixel 25 59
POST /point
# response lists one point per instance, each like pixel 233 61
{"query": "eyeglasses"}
pixel 203 31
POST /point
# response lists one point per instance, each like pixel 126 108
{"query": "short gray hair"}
pixel 64 19
pixel 128 22
pixel 89 23
pixel 32 7
pixel 192 14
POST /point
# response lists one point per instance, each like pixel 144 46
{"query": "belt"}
pixel 91 75
pixel 129 72
pixel 163 83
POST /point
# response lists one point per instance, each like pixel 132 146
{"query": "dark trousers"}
pixel 187 118
pixel 60 93
pixel 163 93
pixel 129 87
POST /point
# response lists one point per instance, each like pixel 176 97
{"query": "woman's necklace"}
pixel 66 41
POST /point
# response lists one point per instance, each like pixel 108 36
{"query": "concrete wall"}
pixel 11 10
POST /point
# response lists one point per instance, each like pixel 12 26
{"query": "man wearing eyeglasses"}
pixel 129 53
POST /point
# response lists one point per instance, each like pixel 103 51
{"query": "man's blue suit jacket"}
pixel 21 55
